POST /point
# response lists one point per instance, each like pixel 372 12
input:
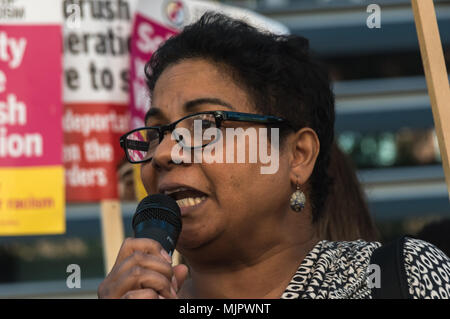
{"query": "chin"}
pixel 193 239
pixel 188 242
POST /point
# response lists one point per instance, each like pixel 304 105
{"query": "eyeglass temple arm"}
pixel 257 118
pixel 134 145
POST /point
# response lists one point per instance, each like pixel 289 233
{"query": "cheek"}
pixel 241 188
pixel 246 190
pixel 147 178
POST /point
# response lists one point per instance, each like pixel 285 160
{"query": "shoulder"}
pixel 340 269
pixel 358 250
pixel 333 270
pixel 343 256
pixel 427 269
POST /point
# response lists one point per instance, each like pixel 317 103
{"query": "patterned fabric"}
pixel 339 270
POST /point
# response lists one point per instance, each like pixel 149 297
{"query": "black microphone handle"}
pixel 161 231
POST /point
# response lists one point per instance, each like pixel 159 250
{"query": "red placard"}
pixel 91 149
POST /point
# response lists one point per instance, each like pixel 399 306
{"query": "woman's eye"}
pixel 207 124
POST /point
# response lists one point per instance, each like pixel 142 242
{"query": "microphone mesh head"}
pixel 158 206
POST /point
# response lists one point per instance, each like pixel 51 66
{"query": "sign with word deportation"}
pixel 31 139
pixel 96 75
pixel 157 20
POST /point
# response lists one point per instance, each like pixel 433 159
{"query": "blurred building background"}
pixel 384 122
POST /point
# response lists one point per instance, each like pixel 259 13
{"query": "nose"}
pixel 166 155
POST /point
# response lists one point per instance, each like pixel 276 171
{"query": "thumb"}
pixel 180 273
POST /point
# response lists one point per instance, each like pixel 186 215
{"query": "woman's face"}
pixel 237 201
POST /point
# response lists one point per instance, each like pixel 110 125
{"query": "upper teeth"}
pixel 190 201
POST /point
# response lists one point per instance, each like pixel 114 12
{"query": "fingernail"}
pixel 161 297
pixel 172 291
pixel 166 256
pixel 175 283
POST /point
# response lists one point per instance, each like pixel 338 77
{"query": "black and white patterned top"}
pixel 339 270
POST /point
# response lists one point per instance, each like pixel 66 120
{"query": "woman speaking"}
pixel 246 233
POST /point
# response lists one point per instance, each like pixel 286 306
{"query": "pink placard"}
pixel 146 37
pixel 30 95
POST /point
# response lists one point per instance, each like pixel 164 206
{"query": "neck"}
pixel 250 273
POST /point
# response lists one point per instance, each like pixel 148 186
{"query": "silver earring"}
pixel 298 200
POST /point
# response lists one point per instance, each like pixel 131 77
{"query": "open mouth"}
pixel 186 197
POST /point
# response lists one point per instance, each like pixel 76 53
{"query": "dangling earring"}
pixel 298 200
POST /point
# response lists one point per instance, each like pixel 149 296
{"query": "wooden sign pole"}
pixel 436 76
pixel 112 231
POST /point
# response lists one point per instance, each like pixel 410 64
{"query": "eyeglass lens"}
pixel 194 131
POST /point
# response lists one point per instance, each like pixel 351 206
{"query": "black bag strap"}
pixel 393 283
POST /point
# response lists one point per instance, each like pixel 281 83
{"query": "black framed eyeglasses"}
pixel 140 144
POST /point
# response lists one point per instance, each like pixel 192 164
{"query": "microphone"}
pixel 158 217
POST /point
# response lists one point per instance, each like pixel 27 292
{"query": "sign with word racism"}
pixel 96 75
pixel 31 139
pixel 157 20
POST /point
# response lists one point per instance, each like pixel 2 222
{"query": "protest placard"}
pixel 31 140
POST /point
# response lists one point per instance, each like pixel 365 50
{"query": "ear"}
pixel 305 149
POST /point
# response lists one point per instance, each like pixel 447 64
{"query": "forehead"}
pixel 195 79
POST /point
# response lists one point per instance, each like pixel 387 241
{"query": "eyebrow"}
pixel 193 103
pixel 189 105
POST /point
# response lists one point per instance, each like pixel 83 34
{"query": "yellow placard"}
pixel 138 186
pixel 32 201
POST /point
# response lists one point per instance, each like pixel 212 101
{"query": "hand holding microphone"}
pixel 143 268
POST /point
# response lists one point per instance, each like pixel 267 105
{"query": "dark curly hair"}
pixel 278 72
